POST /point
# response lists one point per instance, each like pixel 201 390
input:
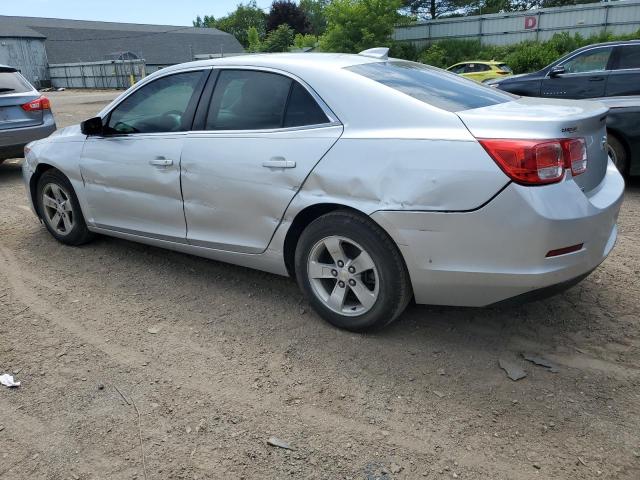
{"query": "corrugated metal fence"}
pixel 507 28
pixel 106 74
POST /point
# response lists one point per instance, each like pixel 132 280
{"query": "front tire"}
pixel 59 209
pixel 351 272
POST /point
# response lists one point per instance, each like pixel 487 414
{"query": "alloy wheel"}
pixel 343 276
pixel 58 210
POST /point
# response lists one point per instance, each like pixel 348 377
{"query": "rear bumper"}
pixel 12 141
pixel 499 251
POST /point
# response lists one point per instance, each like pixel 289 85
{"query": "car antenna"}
pixel 380 52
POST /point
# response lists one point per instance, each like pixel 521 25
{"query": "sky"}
pixel 163 12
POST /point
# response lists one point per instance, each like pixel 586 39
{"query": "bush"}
pixel 521 57
pixel 530 57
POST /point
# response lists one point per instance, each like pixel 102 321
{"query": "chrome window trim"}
pixel 316 126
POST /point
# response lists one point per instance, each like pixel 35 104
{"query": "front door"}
pixel 585 76
pixel 132 172
pixel 263 133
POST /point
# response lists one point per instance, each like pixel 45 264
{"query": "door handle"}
pixel 596 79
pixel 161 162
pixel 279 162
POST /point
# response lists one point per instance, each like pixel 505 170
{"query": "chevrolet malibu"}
pixel 370 180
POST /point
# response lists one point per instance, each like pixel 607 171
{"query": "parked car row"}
pixel 605 72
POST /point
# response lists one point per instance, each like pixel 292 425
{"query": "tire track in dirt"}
pixel 322 420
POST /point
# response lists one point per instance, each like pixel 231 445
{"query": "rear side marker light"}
pixel 537 162
pixel 564 251
pixel 41 103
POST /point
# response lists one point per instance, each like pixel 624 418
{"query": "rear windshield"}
pixel 505 68
pixel 431 85
pixel 12 82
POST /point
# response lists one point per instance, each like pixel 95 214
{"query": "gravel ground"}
pixel 123 348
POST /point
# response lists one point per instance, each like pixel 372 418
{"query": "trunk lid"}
pixel 541 119
pixel 12 115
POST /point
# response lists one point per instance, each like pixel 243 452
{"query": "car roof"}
pixel 292 62
pixel 605 44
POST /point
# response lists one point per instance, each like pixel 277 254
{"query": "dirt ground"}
pixel 217 359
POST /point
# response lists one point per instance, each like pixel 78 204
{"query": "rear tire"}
pixel 59 209
pixel 352 272
pixel 618 154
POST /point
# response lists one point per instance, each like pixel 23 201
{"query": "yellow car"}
pixel 481 71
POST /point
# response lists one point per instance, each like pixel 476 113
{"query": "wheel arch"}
pixel 33 182
pixel 302 219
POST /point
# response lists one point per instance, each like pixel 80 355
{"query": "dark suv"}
pixel 600 70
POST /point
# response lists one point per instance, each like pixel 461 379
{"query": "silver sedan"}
pixel 370 180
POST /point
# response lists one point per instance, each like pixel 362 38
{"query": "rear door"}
pixel 585 75
pixel 624 78
pixel 260 135
pixel 15 92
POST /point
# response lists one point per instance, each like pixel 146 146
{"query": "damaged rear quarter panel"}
pixel 371 174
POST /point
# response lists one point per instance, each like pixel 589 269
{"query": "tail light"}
pixel 41 103
pixel 575 153
pixel 537 162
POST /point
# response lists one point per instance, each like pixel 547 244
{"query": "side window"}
pixel 470 68
pixel 459 69
pixel 628 57
pixel 248 100
pixel 157 107
pixel 483 68
pixel 302 109
pixel 591 61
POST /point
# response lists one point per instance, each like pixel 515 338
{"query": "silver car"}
pixel 25 115
pixel 370 180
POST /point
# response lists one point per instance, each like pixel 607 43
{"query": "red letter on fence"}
pixel 530 22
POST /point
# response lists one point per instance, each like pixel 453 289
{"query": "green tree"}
pixel 355 25
pixel 279 40
pixel 288 13
pixel 238 22
pixel 305 41
pixel 255 45
pixel 315 12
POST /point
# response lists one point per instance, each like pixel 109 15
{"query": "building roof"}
pixel 81 40
pixel 11 30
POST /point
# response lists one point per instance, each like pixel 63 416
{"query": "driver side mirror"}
pixel 556 71
pixel 93 126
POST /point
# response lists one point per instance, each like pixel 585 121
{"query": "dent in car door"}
pixel 132 172
pixel 261 134
pixel 132 184
pixel 237 186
